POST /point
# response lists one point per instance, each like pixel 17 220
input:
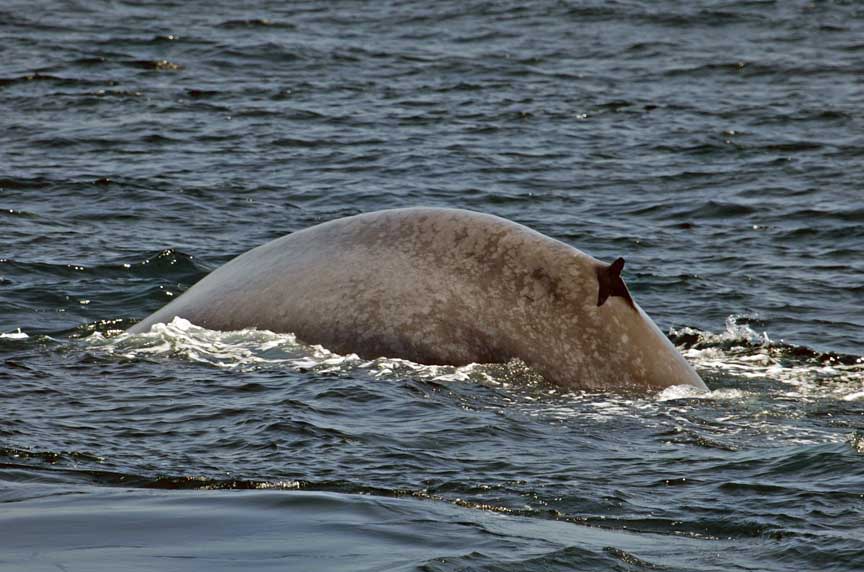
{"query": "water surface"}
pixel 715 145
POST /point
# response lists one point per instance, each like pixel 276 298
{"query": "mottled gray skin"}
pixel 439 286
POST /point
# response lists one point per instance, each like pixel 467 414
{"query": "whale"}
pixel 442 286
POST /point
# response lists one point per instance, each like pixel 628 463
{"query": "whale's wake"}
pixel 738 353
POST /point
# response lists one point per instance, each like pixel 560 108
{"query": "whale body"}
pixel 442 286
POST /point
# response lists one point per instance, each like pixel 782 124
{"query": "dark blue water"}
pixel 717 146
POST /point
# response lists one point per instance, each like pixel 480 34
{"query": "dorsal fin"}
pixel 611 284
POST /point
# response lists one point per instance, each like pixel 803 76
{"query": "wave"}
pixel 253 349
pixel 16 335
pixel 736 359
pixel 741 352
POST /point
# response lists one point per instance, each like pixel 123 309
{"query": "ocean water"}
pixel 716 145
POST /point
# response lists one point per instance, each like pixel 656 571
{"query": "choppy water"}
pixel 717 146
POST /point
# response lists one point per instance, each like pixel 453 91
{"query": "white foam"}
pixel 741 352
pixel 738 352
pixel 854 396
pixel 19 335
pixel 237 349
pixel 253 349
pixel 682 392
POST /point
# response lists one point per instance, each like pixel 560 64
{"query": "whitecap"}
pixel 17 335
pixel 742 353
